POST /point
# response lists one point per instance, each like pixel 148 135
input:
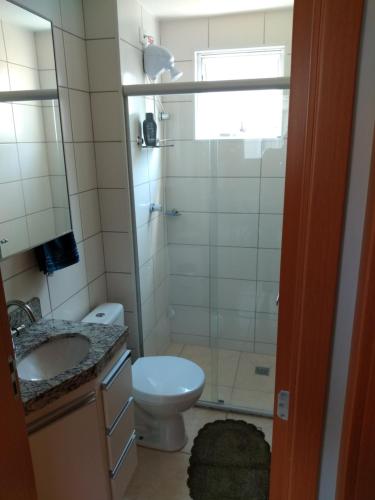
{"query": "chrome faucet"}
pixel 27 309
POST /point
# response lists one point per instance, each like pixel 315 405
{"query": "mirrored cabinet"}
pixel 34 201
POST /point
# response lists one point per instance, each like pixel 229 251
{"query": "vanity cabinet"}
pixel 83 445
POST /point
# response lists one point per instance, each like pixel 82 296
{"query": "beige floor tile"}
pixel 247 379
pixel 160 476
pixel 195 419
pixel 174 349
pixel 257 400
pixel 212 393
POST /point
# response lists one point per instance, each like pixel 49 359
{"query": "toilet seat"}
pixel 160 380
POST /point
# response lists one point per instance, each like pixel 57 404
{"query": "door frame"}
pixel 323 81
pixel 16 470
pixel 356 471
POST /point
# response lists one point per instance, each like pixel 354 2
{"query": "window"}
pixel 239 115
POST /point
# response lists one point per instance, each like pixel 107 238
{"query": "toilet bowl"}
pixel 164 387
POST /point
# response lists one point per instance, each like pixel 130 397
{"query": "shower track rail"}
pixel 29 95
pixel 279 83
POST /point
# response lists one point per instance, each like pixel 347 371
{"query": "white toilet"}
pixel 163 387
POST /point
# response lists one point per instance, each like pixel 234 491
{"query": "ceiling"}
pixel 190 8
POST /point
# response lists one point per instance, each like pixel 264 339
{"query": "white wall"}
pixel 356 205
pixel 69 293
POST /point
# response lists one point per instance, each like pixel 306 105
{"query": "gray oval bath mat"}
pixel 230 460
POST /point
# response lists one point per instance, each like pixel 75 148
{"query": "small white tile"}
pixel 66 282
pixel 151 239
pixel 181 124
pixel 146 280
pixel 85 165
pixel 190 321
pixel 233 294
pixel 71 171
pixel 90 216
pixel 189 159
pixel 76 217
pixel 41 226
pixel 190 195
pixel 60 57
pixel 28 122
pixel 190 228
pixel 148 317
pixel 51 122
pixel 233 262
pixel 267 292
pixel 4 75
pixel 117 252
pixel 161 266
pixel 139 164
pixel 37 193
pixel 185 36
pixel 98 292
pixel 17 235
pixel 47 79
pixel 272 196
pixel 81 116
pixel 161 298
pixel 189 260
pixel 111 165
pixel 235 31
pixel 270 229
pixel 100 18
pixel 3 55
pixel 65 114
pixel 273 158
pixel 266 328
pixel 75 308
pixel 55 155
pixel 107 113
pixel 103 62
pixel 157 195
pixel 11 201
pixel 76 62
pixel 7 131
pixel 268 265
pixel 20 45
pixel 155 159
pixel 237 195
pixel 188 290
pixel 24 286
pixel 130 21
pixel 59 191
pixel 94 257
pixel 137 110
pixel 131 59
pixel 238 158
pixel 262 348
pixel 22 78
pixel 9 166
pixel 44 50
pixel 142 204
pixel 72 17
pixel 20 262
pixel 235 229
pixel 121 288
pixel 233 325
pixel 114 209
pixel 49 10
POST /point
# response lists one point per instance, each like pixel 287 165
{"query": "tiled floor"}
pixel 230 375
pixel 163 475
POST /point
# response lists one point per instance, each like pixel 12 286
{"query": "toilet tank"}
pixel 106 314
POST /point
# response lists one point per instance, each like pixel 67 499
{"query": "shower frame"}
pixel 157 89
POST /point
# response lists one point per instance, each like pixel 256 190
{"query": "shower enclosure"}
pixel 207 223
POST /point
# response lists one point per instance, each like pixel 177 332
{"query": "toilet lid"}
pixel 166 376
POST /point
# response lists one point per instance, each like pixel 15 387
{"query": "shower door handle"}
pixel 277 298
pixel 173 213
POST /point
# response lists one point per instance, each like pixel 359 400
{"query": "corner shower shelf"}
pixel 140 142
pixel 158 147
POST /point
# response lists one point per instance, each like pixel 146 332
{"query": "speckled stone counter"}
pixel 105 341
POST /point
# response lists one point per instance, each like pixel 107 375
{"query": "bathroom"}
pixel 178 241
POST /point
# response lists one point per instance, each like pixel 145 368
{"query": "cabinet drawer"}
pixel 117 388
pixel 120 433
pixel 122 474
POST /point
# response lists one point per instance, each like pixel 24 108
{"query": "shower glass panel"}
pixel 208 205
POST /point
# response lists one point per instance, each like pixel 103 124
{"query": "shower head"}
pixel 158 59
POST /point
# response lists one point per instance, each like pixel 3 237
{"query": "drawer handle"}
pixel 115 371
pixel 111 430
pixel 113 473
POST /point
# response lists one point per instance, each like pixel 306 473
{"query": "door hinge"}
pixel 13 375
pixel 283 405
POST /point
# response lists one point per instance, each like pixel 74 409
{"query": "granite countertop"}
pixel 105 341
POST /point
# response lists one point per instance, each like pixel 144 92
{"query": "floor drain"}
pixel 262 370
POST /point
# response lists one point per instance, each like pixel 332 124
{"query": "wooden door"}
pixel 356 474
pixel 16 473
pixel 326 36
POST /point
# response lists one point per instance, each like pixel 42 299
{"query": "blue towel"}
pixel 57 254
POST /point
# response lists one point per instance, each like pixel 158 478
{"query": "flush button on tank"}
pixel 99 315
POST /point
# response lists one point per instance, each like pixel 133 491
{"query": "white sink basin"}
pixel 53 357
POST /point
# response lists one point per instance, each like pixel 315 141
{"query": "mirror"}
pixel 34 201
